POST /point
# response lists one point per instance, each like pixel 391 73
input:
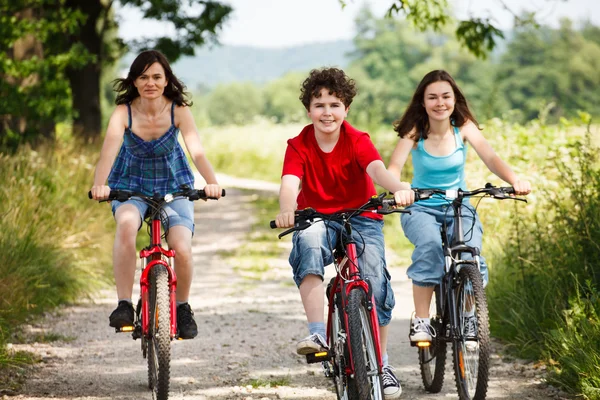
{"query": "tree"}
pixel 33 72
pixel 478 34
pixel 235 103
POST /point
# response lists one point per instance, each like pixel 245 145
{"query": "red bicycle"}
pixel 156 312
pixel 354 356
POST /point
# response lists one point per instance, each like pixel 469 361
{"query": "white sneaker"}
pixel 311 344
pixel 391 384
pixel 421 331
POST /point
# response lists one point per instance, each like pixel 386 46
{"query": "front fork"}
pixel 143 312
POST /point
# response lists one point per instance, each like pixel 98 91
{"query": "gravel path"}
pixel 248 329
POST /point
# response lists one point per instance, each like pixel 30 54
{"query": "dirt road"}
pixel 245 348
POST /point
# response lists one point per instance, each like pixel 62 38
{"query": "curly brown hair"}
pixel 416 117
pixel 334 79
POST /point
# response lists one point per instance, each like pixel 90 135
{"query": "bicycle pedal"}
pixel 421 344
pixel 318 357
pixel 128 328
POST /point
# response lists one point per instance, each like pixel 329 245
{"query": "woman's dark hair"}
pixel 175 90
pixel 333 79
pixel 415 115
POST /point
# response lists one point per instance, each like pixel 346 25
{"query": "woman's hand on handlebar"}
pixel 212 191
pixel 522 187
pixel 285 219
pixel 100 192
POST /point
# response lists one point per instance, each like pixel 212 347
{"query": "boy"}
pixel 336 165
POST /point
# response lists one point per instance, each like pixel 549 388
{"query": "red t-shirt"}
pixel 332 181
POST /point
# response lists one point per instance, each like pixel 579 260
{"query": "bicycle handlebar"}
pixel 191 194
pixel 500 193
pixel 305 218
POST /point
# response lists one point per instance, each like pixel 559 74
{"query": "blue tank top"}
pixel 157 166
pixel 435 172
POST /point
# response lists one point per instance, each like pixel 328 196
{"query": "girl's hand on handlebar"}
pixel 404 198
pixel 522 187
pixel 285 219
pixel 213 191
pixel 100 192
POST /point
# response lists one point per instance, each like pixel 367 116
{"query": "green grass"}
pixel 54 241
pixel 273 382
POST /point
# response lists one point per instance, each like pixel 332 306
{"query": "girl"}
pixel 435 129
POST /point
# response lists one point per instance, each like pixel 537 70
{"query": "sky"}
pixel 287 23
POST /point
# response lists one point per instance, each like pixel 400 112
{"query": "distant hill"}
pixel 259 65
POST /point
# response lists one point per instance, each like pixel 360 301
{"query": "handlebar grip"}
pixel 90 194
pixel 272 224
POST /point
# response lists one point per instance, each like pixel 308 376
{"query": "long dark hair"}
pixel 415 115
pixel 174 91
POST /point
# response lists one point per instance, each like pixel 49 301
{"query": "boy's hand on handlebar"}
pixel 285 219
pixel 522 187
pixel 404 198
pixel 213 191
pixel 100 192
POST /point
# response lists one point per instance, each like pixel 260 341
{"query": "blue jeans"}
pixel 180 211
pixel 422 228
pixel 311 252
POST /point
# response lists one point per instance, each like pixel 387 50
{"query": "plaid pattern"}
pixel 158 166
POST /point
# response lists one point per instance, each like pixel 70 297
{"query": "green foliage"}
pixel 235 103
pixel 191 30
pixel 282 101
pixel 544 298
pixel 544 66
pixel 49 233
pixel 34 71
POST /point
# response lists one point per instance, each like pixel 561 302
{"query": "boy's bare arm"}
pixel 288 194
pixel 384 178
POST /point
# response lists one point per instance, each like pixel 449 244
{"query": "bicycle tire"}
pixel 432 359
pixel 339 347
pixel 471 357
pixel 362 342
pixel 159 333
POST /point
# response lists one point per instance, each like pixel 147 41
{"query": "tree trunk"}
pixel 85 82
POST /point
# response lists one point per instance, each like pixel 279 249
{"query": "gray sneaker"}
pixel 470 332
pixel 311 344
pixel 391 384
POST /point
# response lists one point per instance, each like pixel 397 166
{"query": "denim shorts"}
pixel 311 252
pixel 422 228
pixel 179 211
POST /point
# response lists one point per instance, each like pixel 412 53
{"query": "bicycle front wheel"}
pixel 362 343
pixel 471 343
pixel 432 359
pixel 344 388
pixel 159 333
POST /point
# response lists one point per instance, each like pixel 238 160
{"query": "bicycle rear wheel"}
pixel 432 359
pixel 159 333
pixel 362 343
pixel 471 343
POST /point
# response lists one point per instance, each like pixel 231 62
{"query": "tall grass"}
pixel 55 243
pixel 546 299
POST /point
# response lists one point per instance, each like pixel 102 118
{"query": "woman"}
pixel 141 153
pixel 435 130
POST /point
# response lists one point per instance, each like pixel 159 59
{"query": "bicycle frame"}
pixel 155 253
pixel 452 251
pixel 347 263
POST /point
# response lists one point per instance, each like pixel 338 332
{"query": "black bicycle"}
pixel 354 356
pixel 459 312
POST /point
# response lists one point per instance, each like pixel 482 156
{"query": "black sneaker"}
pixel 391 384
pixel 122 315
pixel 186 326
